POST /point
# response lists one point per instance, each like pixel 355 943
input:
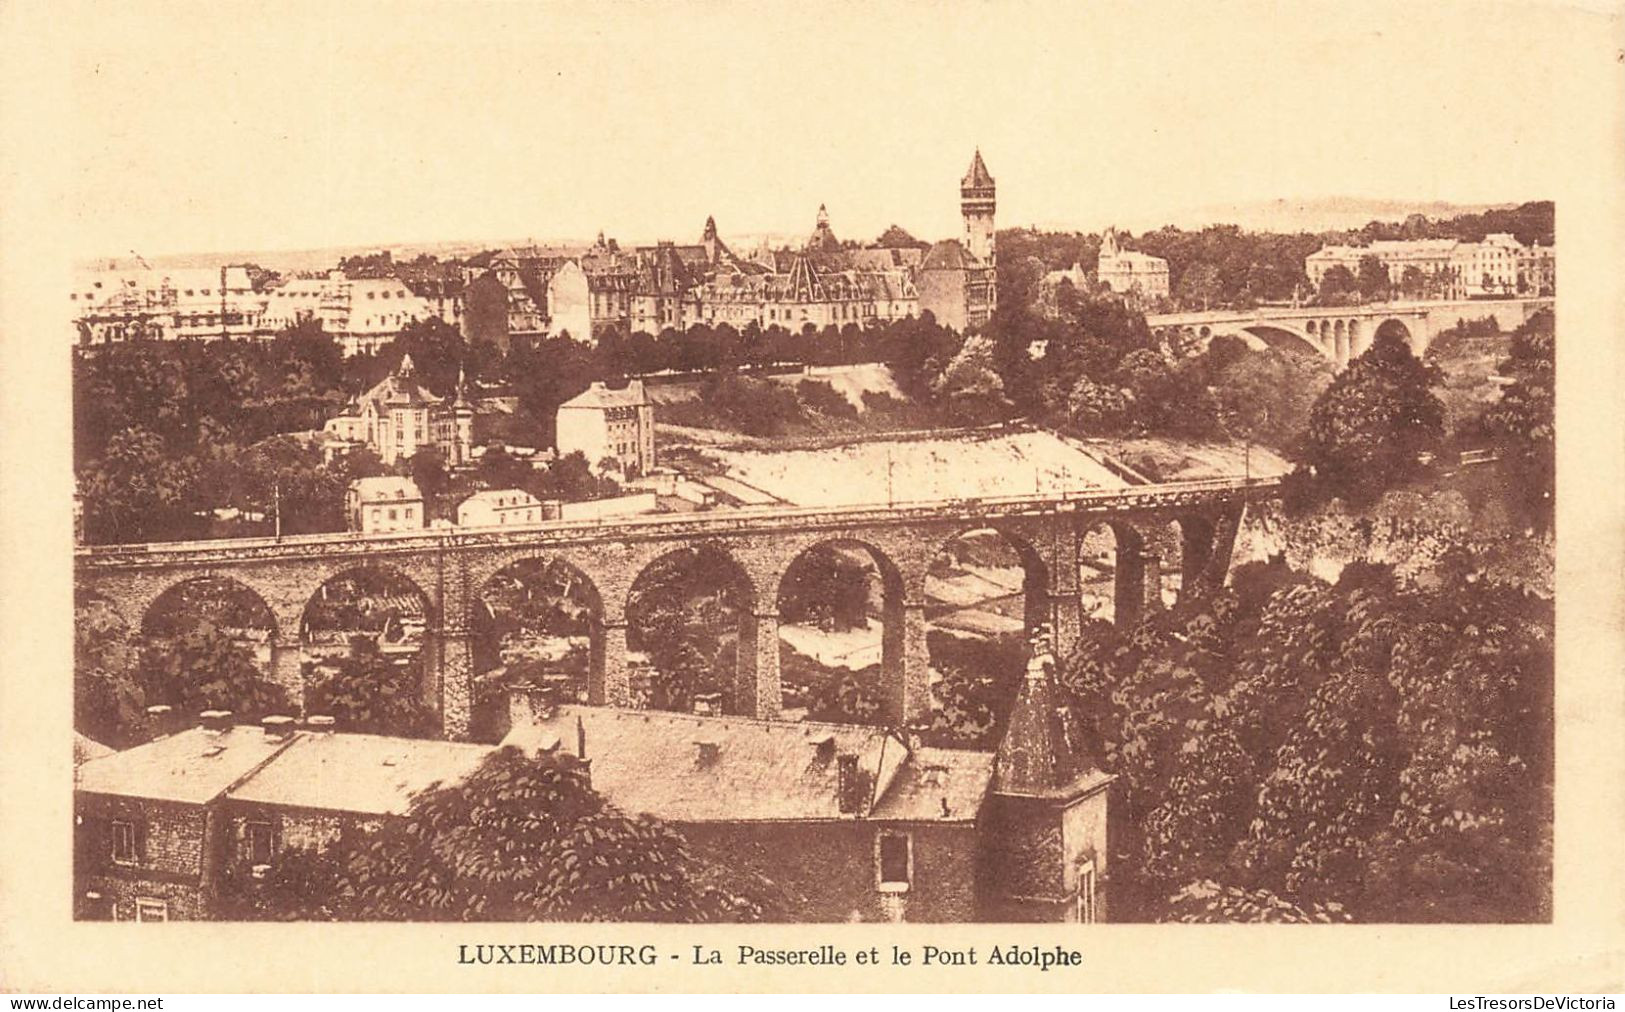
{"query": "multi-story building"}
pixel 1130 272
pixel 1448 268
pixel 498 507
pixel 850 822
pixel 362 314
pixel 397 417
pixel 164 305
pixel 384 503
pixel 610 423
pixel 156 826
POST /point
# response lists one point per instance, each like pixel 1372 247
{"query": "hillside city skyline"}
pixel 1313 215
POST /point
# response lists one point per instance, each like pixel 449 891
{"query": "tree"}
pixel 970 387
pixel 1336 285
pixel 1199 286
pixel 1372 278
pixel 367 692
pixel 826 588
pixel 109 703
pixel 526 838
pixel 1368 430
pixel 203 668
pixel 1523 421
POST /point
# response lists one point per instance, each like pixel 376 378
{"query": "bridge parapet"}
pixel 663 527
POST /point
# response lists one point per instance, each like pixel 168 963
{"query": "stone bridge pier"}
pixel 1155 535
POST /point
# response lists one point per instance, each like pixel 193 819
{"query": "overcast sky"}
pixel 273 126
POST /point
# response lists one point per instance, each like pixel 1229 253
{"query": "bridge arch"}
pixel 372 627
pixel 1284 338
pixel 833 660
pixel 534 623
pixel 226 601
pixel 1393 326
pixel 692 613
pixel 233 610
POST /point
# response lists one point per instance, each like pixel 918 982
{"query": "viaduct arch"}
pixel 450 568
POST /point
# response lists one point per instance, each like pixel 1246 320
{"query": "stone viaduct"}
pixel 450 567
pixel 1344 333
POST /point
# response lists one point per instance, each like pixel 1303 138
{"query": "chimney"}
pixel 849 784
pixel 320 723
pixel 162 720
pixel 215 720
pixel 708 704
pixel 277 727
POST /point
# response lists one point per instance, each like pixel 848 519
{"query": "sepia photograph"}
pixel 917 463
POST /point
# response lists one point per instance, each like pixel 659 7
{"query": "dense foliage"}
pixel 1371 748
pixel 1370 429
pixel 522 838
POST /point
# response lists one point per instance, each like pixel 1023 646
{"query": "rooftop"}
pixel 388 486
pixel 364 773
pixel 194 766
pixel 600 396
pixel 687 768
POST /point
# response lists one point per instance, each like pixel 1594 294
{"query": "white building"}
pixel 164 305
pixel 1450 269
pixel 499 507
pixel 604 422
pixel 362 314
pixel 1125 271
pixel 388 503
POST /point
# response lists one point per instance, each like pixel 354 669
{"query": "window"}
pixel 392 515
pixel 259 842
pixel 151 910
pixel 1086 893
pixel 123 843
pixel 894 862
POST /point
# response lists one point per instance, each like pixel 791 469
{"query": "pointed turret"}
pixel 823 237
pixel 977 176
pixel 977 203
pixel 1046 825
pixel 1039 755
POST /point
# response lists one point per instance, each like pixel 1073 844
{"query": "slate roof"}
pixel 388 487
pixel 948 255
pixel 650 761
pixel 600 396
pixel 193 766
pixel 1040 755
pixel 367 774
pixel 977 175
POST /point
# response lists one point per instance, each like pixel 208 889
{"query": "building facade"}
pixel 610 423
pixel 397 417
pixel 385 503
pixel 164 305
pixel 1499 266
pixel 1128 272
pixel 499 507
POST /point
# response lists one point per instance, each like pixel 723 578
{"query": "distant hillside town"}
pixel 537 291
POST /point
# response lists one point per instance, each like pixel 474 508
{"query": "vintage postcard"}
pixel 870 496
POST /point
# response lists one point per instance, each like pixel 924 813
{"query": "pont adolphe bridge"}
pixel 450 567
pixel 1344 333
